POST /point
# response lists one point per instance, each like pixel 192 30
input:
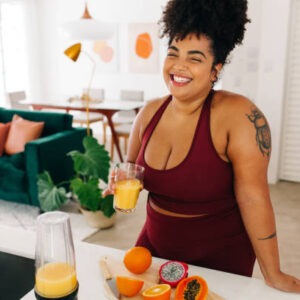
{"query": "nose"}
pixel 179 66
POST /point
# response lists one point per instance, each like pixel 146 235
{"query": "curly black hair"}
pixel 222 21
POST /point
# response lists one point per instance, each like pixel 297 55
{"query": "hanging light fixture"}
pixel 87 28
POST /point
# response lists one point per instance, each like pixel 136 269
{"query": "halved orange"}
pixel 129 286
pixel 158 292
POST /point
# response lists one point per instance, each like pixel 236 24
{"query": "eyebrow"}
pixel 189 52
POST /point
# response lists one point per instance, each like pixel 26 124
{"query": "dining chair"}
pixel 123 120
pixel 80 117
pixel 14 99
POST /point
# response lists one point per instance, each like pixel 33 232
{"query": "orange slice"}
pixel 158 292
pixel 128 286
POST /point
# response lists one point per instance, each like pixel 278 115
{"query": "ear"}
pixel 216 69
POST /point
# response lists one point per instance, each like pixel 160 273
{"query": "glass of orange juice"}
pixel 128 184
pixel 55 275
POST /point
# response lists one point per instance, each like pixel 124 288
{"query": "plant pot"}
pixel 97 219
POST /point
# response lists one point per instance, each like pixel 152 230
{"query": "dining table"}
pixel 106 107
pixel 91 281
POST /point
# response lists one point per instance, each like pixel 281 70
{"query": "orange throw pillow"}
pixel 4 129
pixel 21 132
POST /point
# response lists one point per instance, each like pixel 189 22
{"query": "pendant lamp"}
pixel 87 28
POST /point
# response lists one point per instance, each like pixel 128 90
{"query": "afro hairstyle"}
pixel 222 21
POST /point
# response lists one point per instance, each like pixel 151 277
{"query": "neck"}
pixel 188 107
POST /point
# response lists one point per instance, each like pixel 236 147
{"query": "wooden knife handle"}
pixel 104 268
pixel 106 276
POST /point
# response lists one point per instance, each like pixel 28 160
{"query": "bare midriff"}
pixel 170 213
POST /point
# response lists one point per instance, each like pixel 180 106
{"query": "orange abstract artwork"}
pixel 143 45
pixel 105 52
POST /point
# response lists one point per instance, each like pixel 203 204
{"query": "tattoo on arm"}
pixel 263 135
pixel 268 237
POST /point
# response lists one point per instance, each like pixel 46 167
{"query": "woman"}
pixel 206 152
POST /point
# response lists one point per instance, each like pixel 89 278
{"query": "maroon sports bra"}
pixel 202 183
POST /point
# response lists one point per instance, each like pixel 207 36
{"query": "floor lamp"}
pixel 86 28
pixel 73 53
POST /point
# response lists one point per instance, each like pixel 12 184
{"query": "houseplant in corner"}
pixel 91 171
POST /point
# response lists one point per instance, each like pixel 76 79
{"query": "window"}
pixel 13 59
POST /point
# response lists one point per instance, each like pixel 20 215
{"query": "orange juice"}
pixel 55 280
pixel 126 194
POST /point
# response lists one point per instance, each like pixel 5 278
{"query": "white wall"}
pixel 257 69
pixel 59 75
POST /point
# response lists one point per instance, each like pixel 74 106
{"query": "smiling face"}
pixel 188 68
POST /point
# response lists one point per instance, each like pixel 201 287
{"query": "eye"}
pixel 196 59
pixel 170 54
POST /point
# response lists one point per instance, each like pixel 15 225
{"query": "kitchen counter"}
pixel 229 286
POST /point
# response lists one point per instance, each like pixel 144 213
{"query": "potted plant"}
pixel 91 171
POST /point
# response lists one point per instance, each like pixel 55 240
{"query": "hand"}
pixel 284 282
pixel 110 189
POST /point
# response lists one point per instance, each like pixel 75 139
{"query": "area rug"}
pixel 24 217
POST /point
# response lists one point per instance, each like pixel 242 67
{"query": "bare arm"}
pixel 249 150
pixel 135 137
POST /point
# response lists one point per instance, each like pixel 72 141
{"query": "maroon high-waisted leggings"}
pixel 217 242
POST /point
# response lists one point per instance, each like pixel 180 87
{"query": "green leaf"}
pixel 88 193
pixel 50 196
pixel 107 205
pixel 94 162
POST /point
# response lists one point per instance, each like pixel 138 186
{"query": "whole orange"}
pixel 137 259
pixel 128 286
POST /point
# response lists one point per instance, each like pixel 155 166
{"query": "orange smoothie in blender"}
pixel 55 280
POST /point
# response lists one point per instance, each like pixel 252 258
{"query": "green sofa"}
pixel 18 172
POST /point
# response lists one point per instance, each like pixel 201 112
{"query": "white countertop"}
pixel 231 287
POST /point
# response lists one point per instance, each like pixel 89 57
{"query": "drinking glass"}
pixel 128 184
pixel 55 275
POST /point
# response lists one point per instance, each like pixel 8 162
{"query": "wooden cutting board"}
pixel 150 278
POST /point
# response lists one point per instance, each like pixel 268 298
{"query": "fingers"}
pixel 141 186
pixel 110 190
pixel 107 192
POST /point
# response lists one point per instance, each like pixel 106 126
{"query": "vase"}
pixel 97 219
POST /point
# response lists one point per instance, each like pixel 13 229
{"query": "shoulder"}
pixel 231 102
pixel 236 111
pixel 247 128
pixel 152 105
pixel 148 111
pixel 150 108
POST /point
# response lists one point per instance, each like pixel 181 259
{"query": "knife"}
pixel 109 282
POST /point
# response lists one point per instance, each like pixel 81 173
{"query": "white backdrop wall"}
pixel 59 75
pixel 257 68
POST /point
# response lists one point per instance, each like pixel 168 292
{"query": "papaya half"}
pixel 191 288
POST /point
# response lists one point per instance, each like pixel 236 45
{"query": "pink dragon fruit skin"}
pixel 172 272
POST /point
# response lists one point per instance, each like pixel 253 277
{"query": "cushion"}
pixel 54 121
pixel 21 132
pixel 4 128
pixel 17 160
pixel 12 179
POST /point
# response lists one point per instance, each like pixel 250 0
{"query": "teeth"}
pixel 181 79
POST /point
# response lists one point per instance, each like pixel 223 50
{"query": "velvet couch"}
pixel 18 172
